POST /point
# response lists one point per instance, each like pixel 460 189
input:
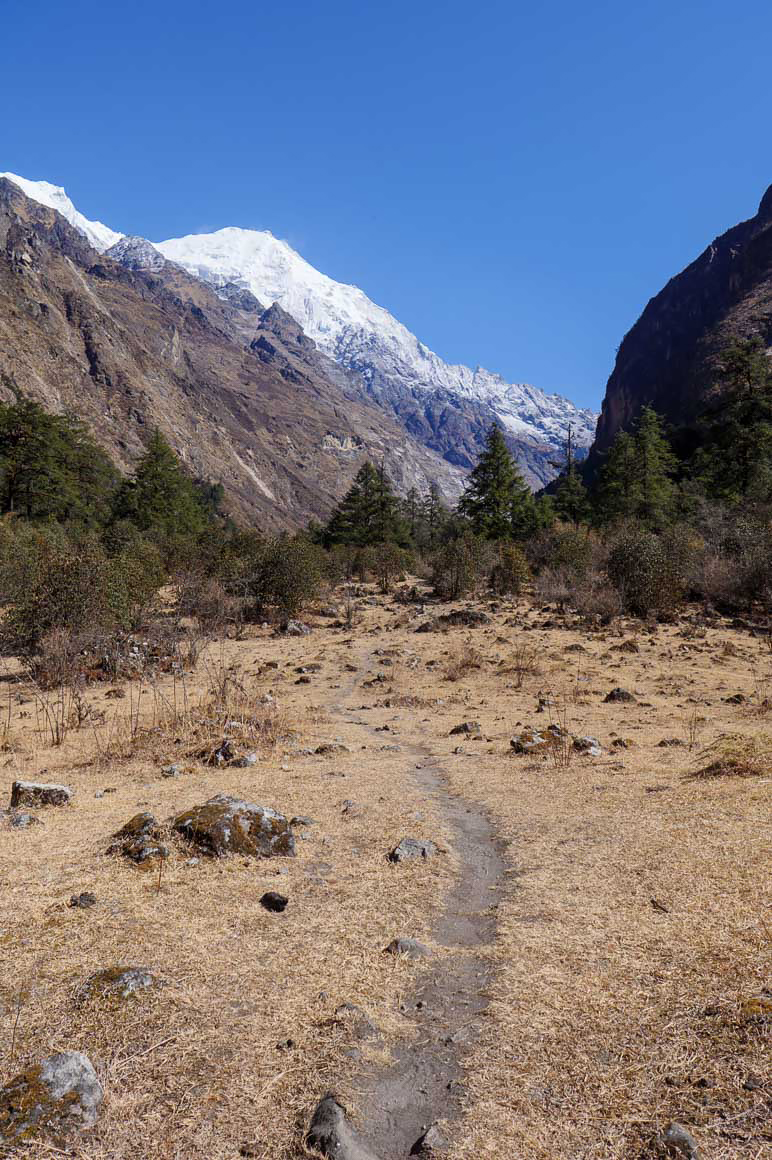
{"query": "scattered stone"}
pixel 277 903
pixel 531 741
pixel 356 1020
pixel 117 983
pixel 301 820
pixel 432 1143
pixel 465 727
pixel 173 770
pixel 330 747
pixel 410 948
pixel 229 825
pixel 545 703
pixel 589 746
pixel 19 819
pixel 351 809
pixel 678 1142
pixel 83 901
pixel 737 699
pixel 332 1135
pixel 295 628
pixel 619 695
pixel 463 618
pixel 59 1095
pixel 34 793
pixel 138 840
pixel 669 743
pixel 411 848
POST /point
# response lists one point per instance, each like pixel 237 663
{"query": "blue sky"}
pixel 512 180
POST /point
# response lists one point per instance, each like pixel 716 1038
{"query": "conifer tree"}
pixel 615 493
pixel 496 500
pixel 368 513
pixel 161 498
pixel 654 490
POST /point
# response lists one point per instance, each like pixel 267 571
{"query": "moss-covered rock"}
pixel 118 983
pixel 56 1097
pixel 228 825
pixel 139 841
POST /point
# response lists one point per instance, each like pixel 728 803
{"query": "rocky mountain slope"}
pixel 129 341
pixel 447 408
pixel 668 358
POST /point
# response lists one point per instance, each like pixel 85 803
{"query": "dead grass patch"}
pixel 736 755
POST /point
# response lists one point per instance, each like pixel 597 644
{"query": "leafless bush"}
pixel 461 662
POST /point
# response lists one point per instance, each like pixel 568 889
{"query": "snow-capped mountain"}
pixel 447 406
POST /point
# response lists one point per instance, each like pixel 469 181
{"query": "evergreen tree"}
pixel 161 499
pixel 368 513
pixel 571 500
pixel 497 501
pixel 615 495
pixel 655 464
pixel 435 516
pixel 735 461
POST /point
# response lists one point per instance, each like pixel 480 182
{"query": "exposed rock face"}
pixel 228 825
pixel 667 360
pixel 56 1097
pixel 244 397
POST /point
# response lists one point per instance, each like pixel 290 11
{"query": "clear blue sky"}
pixel 513 180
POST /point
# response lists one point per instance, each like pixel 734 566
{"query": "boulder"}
pixel 410 948
pixel 229 825
pixel 138 840
pixel 118 983
pixel 589 746
pixel 275 902
pixel 410 848
pixel 332 1135
pixel 431 1143
pixel 56 1097
pixel 36 793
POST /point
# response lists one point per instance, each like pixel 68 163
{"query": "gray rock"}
pixel 619 695
pixel 244 762
pixel 59 1095
pixel 118 983
pixel 466 727
pixel 35 793
pixel 332 1135
pixel 409 947
pixel 411 848
pixel 432 1143
pixel 330 747
pixel 590 746
pixel 228 825
pixel 82 901
pixel 295 628
pixel 678 1142
pixel 20 820
pixel 356 1020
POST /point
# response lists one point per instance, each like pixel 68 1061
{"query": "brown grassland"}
pixel 634 936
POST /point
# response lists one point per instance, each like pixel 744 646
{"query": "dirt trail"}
pixel 423 1083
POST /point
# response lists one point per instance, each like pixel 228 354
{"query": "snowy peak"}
pixel 136 254
pixel 100 236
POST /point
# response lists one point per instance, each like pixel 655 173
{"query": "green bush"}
pixel 648 575
pixel 460 565
pixel 510 573
pixel 564 550
pixel 287 575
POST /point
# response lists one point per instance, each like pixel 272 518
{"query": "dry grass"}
pixel 632 940
pixel 737 755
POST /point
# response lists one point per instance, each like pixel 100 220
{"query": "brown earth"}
pixel 600 926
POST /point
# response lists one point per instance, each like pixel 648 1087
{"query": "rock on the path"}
pixel 410 848
pixel 410 948
pixel 295 628
pixel 274 901
pixel 58 1096
pixel 229 825
pixel 37 793
pixel 332 1135
pixel 138 840
pixel 676 1141
pixel 619 695
pixel 465 727
pixel 118 983
pixel 431 1143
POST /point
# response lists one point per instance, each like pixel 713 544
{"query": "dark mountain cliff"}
pixel 667 360
pixel 241 393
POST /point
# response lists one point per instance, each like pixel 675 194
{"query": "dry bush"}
pixel 596 599
pixel 523 662
pixel 736 755
pixel 555 586
pixel 462 661
pixel 206 599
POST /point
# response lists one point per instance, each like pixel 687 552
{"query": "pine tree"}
pixel 435 516
pixel 615 494
pixel 161 499
pixel 496 500
pixel 571 501
pixel 653 489
pixel 368 513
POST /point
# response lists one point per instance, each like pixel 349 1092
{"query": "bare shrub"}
pixel 555 586
pixel 736 755
pixel 461 662
pixel 524 662
pixel 510 572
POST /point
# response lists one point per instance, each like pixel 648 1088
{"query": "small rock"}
pixel 590 746
pixel 301 820
pixel 33 793
pixel 83 901
pixel 619 695
pixel 330 747
pixel 19 819
pixel 410 948
pixel 118 983
pixel 465 727
pixel 411 848
pixel 737 699
pixel 432 1143
pixel 678 1142
pixel 59 1095
pixel 356 1020
pixel 277 903
pixel 295 628
pixel 351 809
pixel 245 762
pixel 172 770
pixel 138 840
